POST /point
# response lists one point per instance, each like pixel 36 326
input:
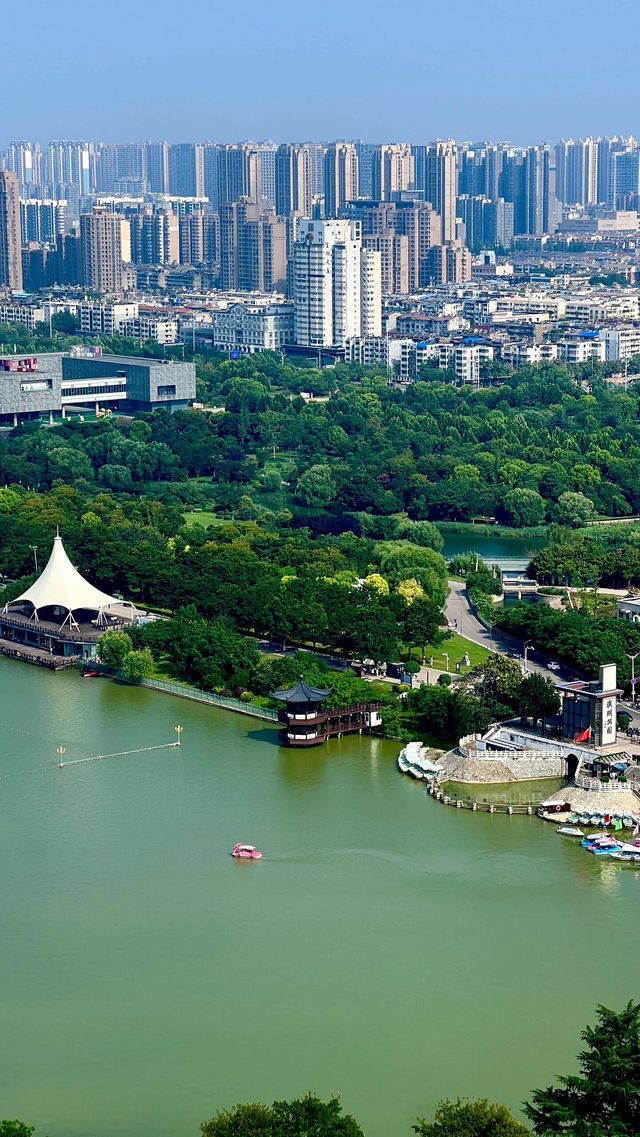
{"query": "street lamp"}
pixel 60 751
pixel 633 675
pixel 178 730
pixel 34 550
pixel 446 656
pixel 528 644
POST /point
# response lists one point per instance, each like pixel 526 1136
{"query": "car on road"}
pixel 554 666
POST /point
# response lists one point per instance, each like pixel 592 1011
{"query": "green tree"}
pixel 251 1120
pixel 304 1117
pixel 316 486
pixel 523 507
pixel 311 1117
pixel 113 647
pixel 137 665
pixel 463 1118
pixel 574 509
pixel 497 681
pixel 15 1129
pixel 537 698
pixel 603 1100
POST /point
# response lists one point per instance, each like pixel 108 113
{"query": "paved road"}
pixel 457 608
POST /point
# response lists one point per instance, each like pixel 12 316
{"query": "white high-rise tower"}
pixel 337 285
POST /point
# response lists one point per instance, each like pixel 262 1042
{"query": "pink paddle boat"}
pixel 246 852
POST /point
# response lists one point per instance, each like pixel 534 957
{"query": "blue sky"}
pixel 523 70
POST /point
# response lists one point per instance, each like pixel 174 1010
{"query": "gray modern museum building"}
pixel 46 386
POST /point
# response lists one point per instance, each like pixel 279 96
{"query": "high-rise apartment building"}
pixel 442 185
pixel 488 224
pixel 316 152
pixel 24 159
pixel 540 191
pixel 10 232
pixel 101 235
pixel 253 248
pixel 211 153
pixel 366 156
pixel 393 170
pixel 154 237
pixel 238 173
pixel 122 162
pixel 157 162
pixel 340 177
pixel 186 169
pixel 71 164
pixel 336 284
pixel 266 152
pixel 42 220
pixel 624 177
pixel 577 171
pixel 293 188
pixel 198 238
pixel 415 220
pixel 449 264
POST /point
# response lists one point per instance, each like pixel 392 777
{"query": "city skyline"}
pixel 349 72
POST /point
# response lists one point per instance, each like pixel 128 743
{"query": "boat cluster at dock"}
pixel 604 844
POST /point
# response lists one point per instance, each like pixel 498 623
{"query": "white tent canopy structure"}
pixel 61 587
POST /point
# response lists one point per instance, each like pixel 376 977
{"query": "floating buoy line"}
pixel 61 751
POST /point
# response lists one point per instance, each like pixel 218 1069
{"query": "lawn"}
pixel 456 646
pixel 203 517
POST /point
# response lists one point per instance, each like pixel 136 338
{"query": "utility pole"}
pixel 633 675
pixel 528 644
pixel 34 550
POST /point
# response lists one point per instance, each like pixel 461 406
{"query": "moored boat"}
pixel 569 831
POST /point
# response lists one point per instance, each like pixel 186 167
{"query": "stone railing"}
pixel 595 784
pixel 468 747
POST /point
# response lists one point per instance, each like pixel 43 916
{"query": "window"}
pixel 37 385
pixel 168 389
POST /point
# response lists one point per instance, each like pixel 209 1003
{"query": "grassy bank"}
pixel 467 528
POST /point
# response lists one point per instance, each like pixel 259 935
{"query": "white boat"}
pixel 569 831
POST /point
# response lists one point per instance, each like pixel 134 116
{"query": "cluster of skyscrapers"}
pixel 370 219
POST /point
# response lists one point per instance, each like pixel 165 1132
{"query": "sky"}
pixel 224 70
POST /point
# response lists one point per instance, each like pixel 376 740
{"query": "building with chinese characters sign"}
pixel 589 709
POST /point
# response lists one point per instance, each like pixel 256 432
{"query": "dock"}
pixel 35 655
pixel 482 804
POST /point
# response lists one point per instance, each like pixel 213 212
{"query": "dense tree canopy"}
pixel 463 1118
pixel 304 1117
pixel 603 1099
pixel 536 447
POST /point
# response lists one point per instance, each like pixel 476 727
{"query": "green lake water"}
pixel 491 547
pixel 386 947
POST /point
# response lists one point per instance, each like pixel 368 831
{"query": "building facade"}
pixel 10 232
pixel 337 287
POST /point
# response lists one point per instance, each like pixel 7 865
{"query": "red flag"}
pixel 584 737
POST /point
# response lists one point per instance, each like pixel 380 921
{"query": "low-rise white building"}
pixel 581 350
pixel 621 342
pixel 21 314
pixel 245 328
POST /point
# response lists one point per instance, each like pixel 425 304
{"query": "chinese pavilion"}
pixel 307 723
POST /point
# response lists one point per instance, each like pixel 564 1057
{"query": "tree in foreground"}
pixel 603 1100
pixel 463 1118
pixel 15 1129
pixel 304 1117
